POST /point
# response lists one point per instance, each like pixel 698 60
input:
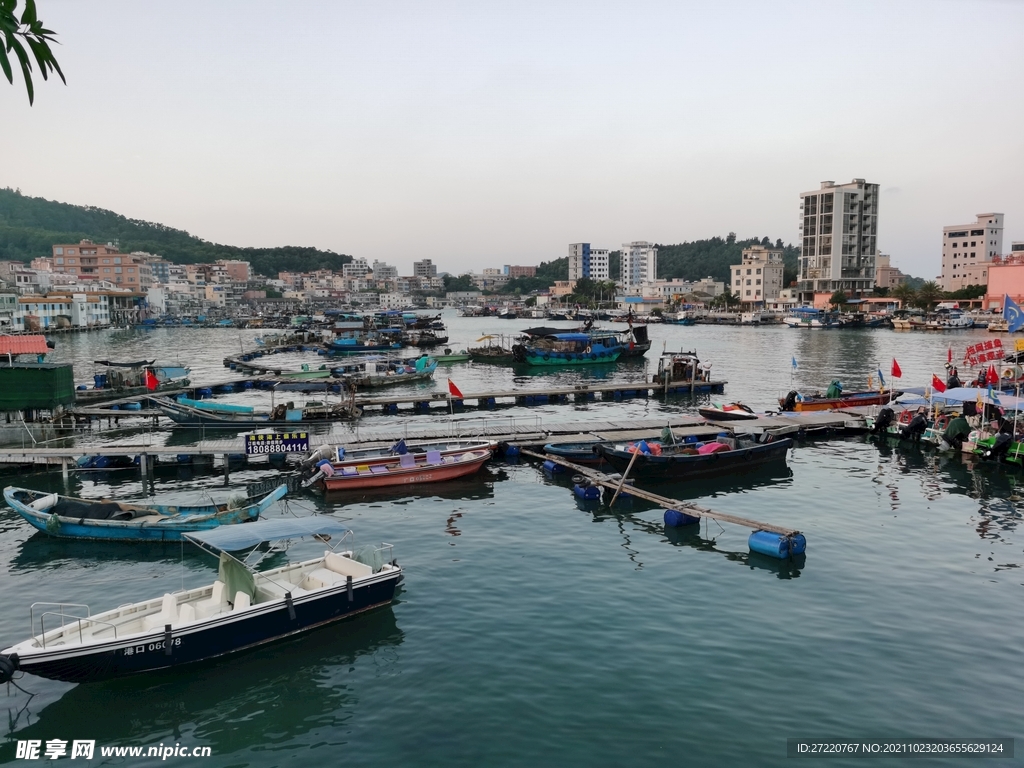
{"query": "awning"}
pixel 23 345
pixel 139 364
pixel 230 538
pixel 957 395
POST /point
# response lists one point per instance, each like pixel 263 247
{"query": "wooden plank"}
pixel 689 507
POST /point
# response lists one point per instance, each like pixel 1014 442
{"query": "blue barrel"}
pixel 512 452
pixel 246 385
pixel 100 380
pixel 133 406
pixel 204 392
pixel 81 387
pixel 797 544
pixel 587 492
pixel 550 466
pixel 184 458
pixel 674 518
pixel 771 544
pixel 491 402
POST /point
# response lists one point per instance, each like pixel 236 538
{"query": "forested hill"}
pixel 29 226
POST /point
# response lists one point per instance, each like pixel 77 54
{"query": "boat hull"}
pixel 849 401
pixel 209 639
pixel 674 468
pixel 572 358
pixel 720 415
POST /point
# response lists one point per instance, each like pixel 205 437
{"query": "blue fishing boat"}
pixel 68 517
pixel 592 348
pixel 577 453
pixel 354 342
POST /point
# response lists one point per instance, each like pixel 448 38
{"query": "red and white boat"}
pixel 338 458
pixel 406 469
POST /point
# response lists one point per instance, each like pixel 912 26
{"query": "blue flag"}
pixel 1012 314
pixel 881 378
pixel 993 395
pixel 794 364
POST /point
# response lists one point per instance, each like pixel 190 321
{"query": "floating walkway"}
pixel 767 539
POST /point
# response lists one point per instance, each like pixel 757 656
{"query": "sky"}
pixel 487 133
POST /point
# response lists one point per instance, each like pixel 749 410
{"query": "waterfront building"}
pixel 1006 277
pixel 757 279
pixel 424 268
pixel 237 271
pixel 839 228
pixel 355 268
pixel 588 262
pixel 638 264
pixel 968 249
pixel 886 275
pixel 87 261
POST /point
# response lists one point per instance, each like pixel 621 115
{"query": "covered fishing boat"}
pixel 635 341
pixel 212 415
pixel 569 349
pixel 359 342
pixel 654 460
pixel 243 608
pixel 118 380
pixel 726 412
pixel 809 317
pixel 373 373
pixel 684 371
pixel 406 469
pixel 498 350
pixel 72 518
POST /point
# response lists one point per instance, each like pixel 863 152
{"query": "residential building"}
pixel 514 272
pixel 237 271
pixel 967 250
pixel 425 268
pixel 839 226
pixel 355 268
pixel 638 264
pixel 886 275
pixel 758 277
pixel 588 262
pixel 562 288
pixel 383 271
pixel 89 261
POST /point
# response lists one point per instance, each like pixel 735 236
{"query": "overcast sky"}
pixel 487 133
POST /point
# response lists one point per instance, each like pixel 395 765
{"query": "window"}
pixel 59 260
pixel 972 254
pixel 106 269
pixel 106 261
pixel 748 293
pixel 973 243
pixel 71 251
pixel 117 270
pixel 748 271
pixel 758 282
pixel 117 261
pixel 58 251
pixel 955 245
pixel 748 283
pixel 71 261
pixel 758 272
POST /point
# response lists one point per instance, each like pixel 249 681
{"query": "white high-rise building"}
pixel 425 268
pixel 384 271
pixel 839 225
pixel 638 264
pixel 967 251
pixel 585 261
pixel 355 268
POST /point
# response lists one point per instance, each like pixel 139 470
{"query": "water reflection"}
pixel 279 692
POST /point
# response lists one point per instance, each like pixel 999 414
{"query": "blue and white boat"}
pixel 593 348
pixel 242 609
pixel 71 518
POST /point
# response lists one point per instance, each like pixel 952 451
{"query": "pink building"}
pixel 1005 278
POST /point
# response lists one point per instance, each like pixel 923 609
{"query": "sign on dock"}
pixel 280 442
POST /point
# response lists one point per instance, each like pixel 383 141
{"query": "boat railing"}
pixel 63 616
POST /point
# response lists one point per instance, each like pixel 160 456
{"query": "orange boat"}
pixel 407 469
pixel 794 401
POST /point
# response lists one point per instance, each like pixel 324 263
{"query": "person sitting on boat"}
pixel 982 380
pixel 835 389
pixel 954 380
pixel 917 426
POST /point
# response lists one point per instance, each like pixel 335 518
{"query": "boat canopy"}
pixel 915 396
pixel 140 364
pixel 231 538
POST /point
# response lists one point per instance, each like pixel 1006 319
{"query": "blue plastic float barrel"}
pixel 777 545
pixel 586 491
pixel 674 518
pixel 512 452
pixel 133 406
pixel 204 392
pixel 550 467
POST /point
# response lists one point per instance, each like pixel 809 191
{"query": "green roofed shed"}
pixel 36 385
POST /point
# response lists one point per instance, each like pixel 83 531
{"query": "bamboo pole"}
pixel 636 452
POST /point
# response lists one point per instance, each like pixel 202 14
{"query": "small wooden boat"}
pixel 681 462
pixel 403 470
pixel 107 520
pixel 726 412
pixel 339 457
pixel 796 402
pixel 577 453
pixel 243 608
pixel 198 413
pixel 449 357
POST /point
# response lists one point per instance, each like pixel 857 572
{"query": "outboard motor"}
pixel 915 428
pixel 1000 447
pixel 8 666
pixel 886 416
pixel 519 353
pixel 790 403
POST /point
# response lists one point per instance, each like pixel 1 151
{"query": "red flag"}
pixel 938 384
pixel 949 356
pixel 151 381
pixel 896 372
pixel 453 390
pixel 992 377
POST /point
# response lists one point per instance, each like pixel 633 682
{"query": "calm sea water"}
pixel 536 630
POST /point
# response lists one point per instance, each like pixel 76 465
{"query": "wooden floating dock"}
pixel 612 484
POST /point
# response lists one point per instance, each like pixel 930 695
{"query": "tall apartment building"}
pixel 355 268
pixel 237 271
pixel 967 251
pixel 383 271
pixel 588 262
pixel 638 264
pixel 839 226
pixel 758 278
pixel 425 268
